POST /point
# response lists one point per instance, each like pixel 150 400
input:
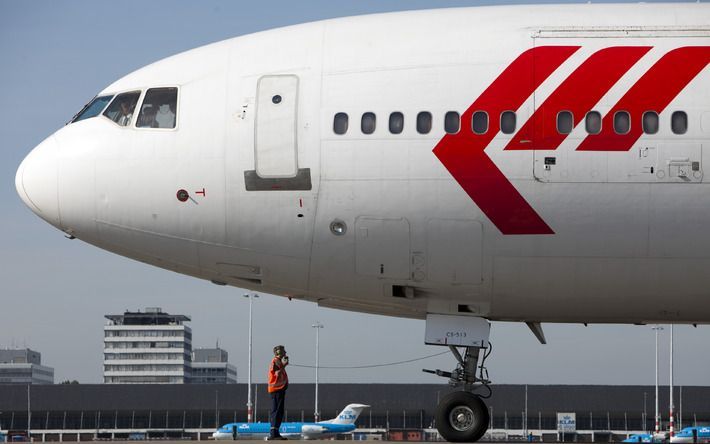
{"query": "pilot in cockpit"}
pixel 147 117
pixel 128 104
pixel 166 115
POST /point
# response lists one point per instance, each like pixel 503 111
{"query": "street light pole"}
pixel 657 418
pixel 645 413
pixel 317 326
pixel 670 424
pixel 525 420
pixel 250 417
pixel 29 414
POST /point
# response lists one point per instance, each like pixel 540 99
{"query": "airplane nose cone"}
pixel 36 181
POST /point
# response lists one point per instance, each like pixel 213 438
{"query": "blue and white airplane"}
pixel 692 435
pixel 344 423
pixel 640 437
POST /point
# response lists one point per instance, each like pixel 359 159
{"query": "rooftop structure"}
pixel 20 356
pixel 24 366
pixel 151 316
pixel 210 355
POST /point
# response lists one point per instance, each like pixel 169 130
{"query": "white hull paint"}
pixel 626 248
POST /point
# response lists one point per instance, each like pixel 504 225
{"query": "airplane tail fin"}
pixel 349 414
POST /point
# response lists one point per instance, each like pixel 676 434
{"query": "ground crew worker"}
pixel 278 383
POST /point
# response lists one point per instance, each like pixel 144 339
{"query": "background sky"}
pixel 54 293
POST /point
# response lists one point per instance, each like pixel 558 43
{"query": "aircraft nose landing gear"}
pixel 462 416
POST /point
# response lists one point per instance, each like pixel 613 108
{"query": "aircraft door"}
pixel 271 135
pixel 275 136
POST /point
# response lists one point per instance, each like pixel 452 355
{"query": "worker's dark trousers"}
pixel 278 399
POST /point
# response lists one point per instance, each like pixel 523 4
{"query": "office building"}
pixel 152 347
pixel 211 366
pixel 24 366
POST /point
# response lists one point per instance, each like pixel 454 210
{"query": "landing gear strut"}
pixel 462 416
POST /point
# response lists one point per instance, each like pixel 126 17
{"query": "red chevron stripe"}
pixel 652 92
pixel 578 93
pixel 463 153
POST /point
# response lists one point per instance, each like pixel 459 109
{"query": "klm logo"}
pixel 347 415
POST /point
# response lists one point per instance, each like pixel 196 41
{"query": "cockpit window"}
pixel 122 107
pixel 92 109
pixel 158 109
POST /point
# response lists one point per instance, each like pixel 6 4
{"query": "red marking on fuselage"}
pixel 463 154
pixel 578 93
pixel 652 92
pixel 203 192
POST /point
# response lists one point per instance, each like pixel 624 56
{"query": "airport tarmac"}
pixel 261 441
pixel 251 441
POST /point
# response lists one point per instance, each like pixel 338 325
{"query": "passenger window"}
pixel 650 122
pixel 158 109
pixel 565 122
pixel 367 123
pixel 593 122
pixel 679 122
pixel 622 122
pixel 121 109
pixel 396 122
pixel 452 122
pixel 479 122
pixel 424 122
pixel 340 123
pixel 507 122
pixel 93 109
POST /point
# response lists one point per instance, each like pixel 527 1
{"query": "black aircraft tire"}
pixel 462 417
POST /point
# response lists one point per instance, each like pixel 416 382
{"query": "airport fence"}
pixel 194 411
pixel 404 419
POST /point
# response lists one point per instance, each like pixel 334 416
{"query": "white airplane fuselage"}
pixel 527 224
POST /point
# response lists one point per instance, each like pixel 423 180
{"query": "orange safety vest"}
pixel 277 381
